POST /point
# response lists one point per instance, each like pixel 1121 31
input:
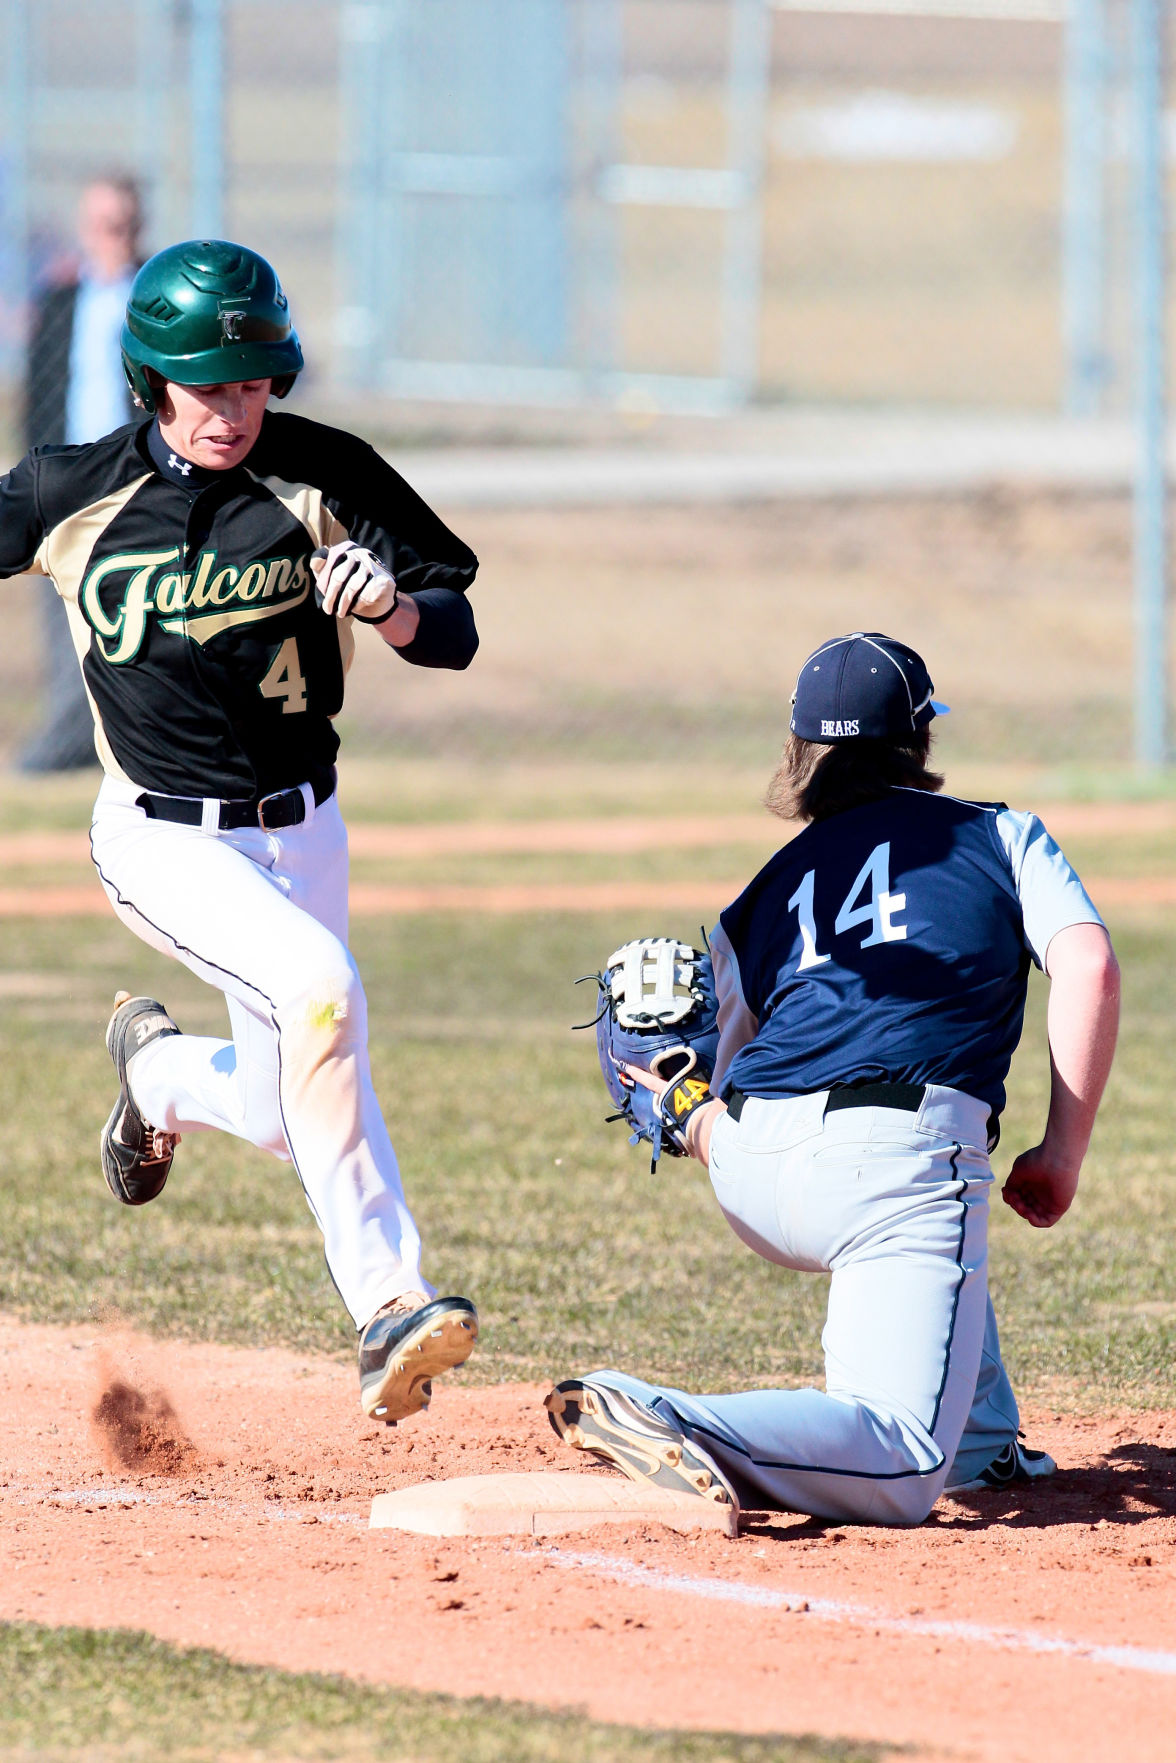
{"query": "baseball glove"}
pixel 658 1015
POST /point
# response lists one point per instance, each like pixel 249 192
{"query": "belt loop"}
pixel 308 803
pixel 210 815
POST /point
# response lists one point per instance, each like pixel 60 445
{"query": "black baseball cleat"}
pixel 405 1345
pixel 592 1416
pixel 1015 1464
pixel 136 1158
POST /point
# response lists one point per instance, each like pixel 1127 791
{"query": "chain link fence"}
pixel 651 204
pixel 670 203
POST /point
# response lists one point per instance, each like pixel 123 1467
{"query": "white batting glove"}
pixel 353 583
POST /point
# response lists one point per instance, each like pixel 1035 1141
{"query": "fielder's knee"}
pixel 905 1503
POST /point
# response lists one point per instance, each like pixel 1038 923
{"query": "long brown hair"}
pixel 814 780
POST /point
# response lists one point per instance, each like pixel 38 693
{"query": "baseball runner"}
pixel 869 991
pixel 214 559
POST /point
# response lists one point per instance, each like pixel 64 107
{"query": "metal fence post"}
pixel 1083 208
pixel 16 180
pixel 747 121
pixel 153 81
pixel 207 99
pixel 358 251
pixel 1150 250
pixel 599 270
pixel 532 317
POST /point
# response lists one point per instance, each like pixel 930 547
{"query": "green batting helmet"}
pixel 208 313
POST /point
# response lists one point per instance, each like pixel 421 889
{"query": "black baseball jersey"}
pixel 210 669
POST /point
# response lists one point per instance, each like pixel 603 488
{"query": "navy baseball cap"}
pixel 863 685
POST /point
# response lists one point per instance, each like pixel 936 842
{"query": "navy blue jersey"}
pixel 891 942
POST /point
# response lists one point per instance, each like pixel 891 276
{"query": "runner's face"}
pixel 213 426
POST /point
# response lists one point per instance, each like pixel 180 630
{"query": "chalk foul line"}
pixel 614 1567
pixel 1152 1662
pixel 119 1498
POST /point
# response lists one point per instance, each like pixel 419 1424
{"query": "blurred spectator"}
pixel 75 391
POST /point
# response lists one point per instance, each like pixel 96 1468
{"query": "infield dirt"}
pixel 219 1497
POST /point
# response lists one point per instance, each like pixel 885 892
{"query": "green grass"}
pixel 416 791
pixel 122 1697
pixel 576 1254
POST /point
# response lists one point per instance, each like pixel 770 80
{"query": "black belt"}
pixel 909 1097
pixel 280 808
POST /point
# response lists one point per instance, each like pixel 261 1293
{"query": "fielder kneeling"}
pixel 871 987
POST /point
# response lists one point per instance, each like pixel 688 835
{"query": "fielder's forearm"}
pixel 699 1128
pixel 1082 1026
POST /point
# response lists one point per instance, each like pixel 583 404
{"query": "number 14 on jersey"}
pixel 869 901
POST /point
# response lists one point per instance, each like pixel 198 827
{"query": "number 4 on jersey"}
pixel 878 910
pixel 283 679
pixel 879 913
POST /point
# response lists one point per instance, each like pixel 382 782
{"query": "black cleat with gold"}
pixel 136 1158
pixel 405 1345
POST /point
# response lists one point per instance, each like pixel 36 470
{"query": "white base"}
pixel 545 1504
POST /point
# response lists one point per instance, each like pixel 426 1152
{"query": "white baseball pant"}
pixel 894 1205
pixel 262 916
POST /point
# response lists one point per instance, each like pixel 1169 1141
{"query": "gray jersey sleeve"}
pixel 1052 896
pixel 737 1024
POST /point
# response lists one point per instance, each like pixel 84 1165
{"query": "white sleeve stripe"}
pixel 1048 887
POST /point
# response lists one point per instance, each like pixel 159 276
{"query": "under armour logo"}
pixel 180 465
pixel 231 326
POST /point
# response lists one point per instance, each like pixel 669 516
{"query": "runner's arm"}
pixel 21 524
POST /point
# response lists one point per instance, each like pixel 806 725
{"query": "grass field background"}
pixel 633 664
pixel 670 637
pixel 576 1254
